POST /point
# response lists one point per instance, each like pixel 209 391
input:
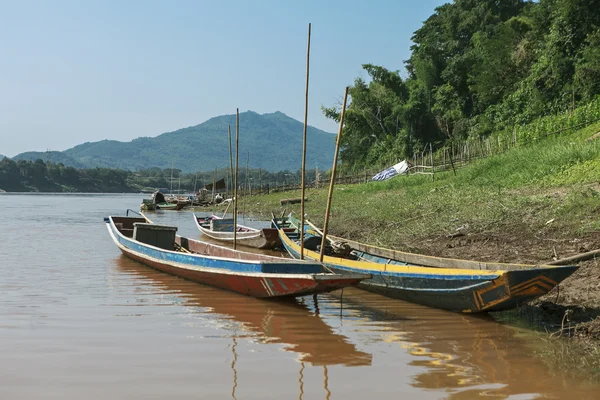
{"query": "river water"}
pixel 80 321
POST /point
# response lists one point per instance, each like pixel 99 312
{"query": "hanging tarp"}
pixel 398 169
pixel 158 197
pixel 220 184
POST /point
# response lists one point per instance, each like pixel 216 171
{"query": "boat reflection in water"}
pixel 466 356
pixel 284 321
pixel 419 350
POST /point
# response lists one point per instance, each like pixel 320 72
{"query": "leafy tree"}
pixel 477 66
pixel 587 68
pixel 375 115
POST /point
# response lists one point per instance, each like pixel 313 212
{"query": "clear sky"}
pixel 82 71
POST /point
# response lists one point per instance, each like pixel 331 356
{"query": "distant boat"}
pixel 159 202
pixel 450 284
pixel 255 275
pixel 222 229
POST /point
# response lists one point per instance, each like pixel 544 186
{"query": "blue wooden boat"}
pixel 450 284
pixel 255 275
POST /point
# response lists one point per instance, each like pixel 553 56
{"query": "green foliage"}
pixel 553 124
pixel 40 176
pixel 587 69
pixel 274 142
pixel 478 68
pixel 372 121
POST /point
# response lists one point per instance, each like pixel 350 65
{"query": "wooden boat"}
pixel 222 229
pixel 148 205
pixel 450 284
pixel 170 206
pixel 255 275
pixel 159 202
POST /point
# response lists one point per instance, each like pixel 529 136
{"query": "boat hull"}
pixel 254 286
pixel 266 238
pixel 170 206
pixel 462 290
pixel 508 291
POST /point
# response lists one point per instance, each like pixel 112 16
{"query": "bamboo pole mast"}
pixel 332 182
pixel 214 189
pixel 230 156
pixel 304 149
pixel 237 143
pixel 246 186
pixel 246 192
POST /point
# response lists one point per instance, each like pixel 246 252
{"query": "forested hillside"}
pixel 272 141
pixel 40 176
pixel 477 67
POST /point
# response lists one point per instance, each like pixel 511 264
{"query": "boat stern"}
pixel 518 287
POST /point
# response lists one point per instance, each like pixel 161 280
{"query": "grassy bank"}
pixel 538 202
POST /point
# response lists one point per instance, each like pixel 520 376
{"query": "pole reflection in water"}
pixel 326 382
pixel 325 376
pixel 301 380
pixel 233 367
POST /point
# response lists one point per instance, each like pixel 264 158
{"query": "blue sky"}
pixel 82 71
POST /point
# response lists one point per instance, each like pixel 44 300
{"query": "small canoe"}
pixel 255 275
pixel 159 202
pixel 222 229
pixel 170 206
pixel 450 284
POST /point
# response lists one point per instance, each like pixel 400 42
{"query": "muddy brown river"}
pixel 80 321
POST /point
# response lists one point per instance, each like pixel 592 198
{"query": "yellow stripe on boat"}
pixel 389 268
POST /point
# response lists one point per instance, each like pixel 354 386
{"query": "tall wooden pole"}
pixel 247 191
pixel 214 184
pixel 246 185
pixel 237 143
pixel 304 150
pixel 332 182
pixel 432 166
pixel 230 156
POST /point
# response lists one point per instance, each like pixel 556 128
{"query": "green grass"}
pixel 557 179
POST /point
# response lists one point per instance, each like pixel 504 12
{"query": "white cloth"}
pixel 400 168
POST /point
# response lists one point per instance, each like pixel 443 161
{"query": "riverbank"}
pixel 529 205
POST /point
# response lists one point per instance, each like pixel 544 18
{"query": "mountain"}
pixel 274 142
